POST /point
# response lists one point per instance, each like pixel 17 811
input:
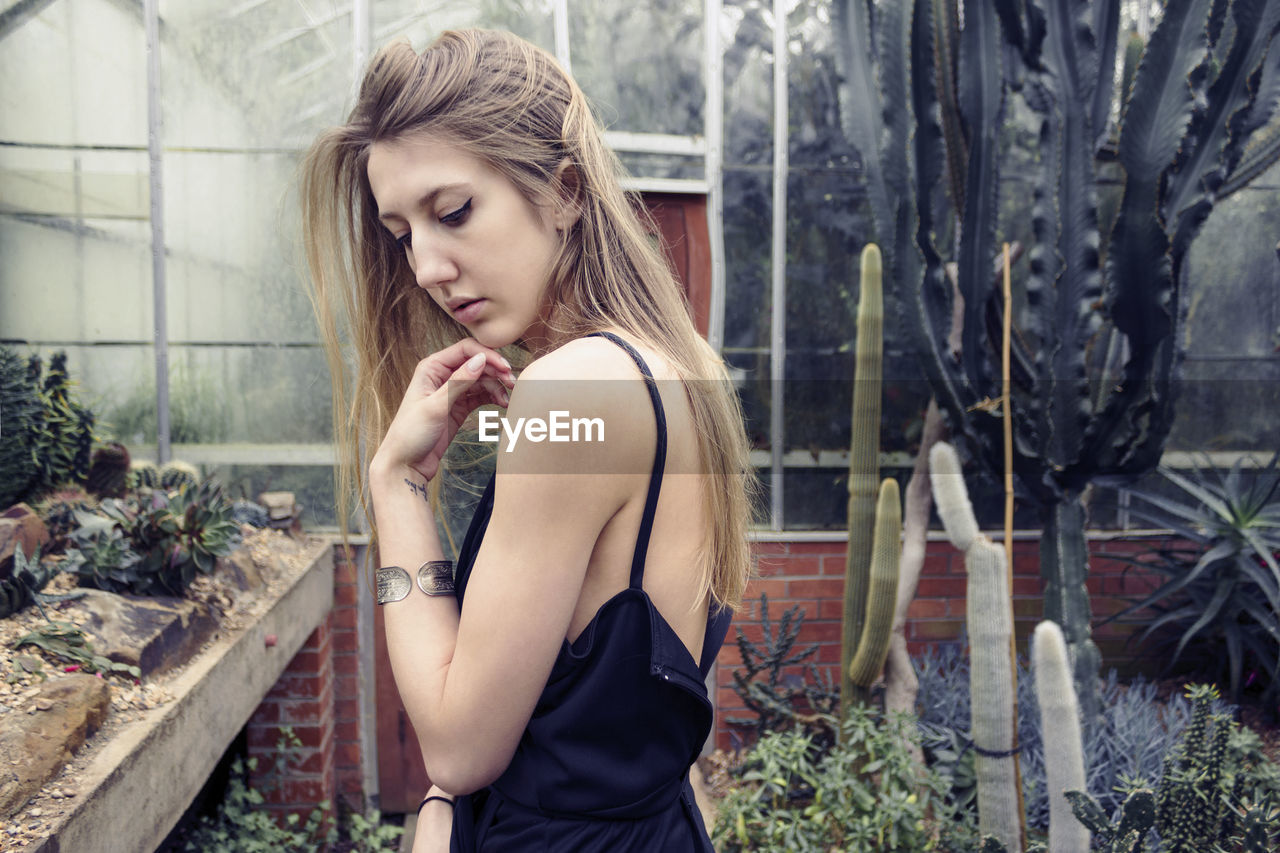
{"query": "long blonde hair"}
pixel 509 104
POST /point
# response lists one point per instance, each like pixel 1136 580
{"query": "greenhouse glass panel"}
pixel 258 74
pixel 420 22
pixel 231 228
pixel 636 82
pixel 75 74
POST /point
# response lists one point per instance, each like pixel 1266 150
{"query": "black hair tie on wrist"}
pixel 426 800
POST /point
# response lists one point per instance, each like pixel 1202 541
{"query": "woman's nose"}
pixel 431 266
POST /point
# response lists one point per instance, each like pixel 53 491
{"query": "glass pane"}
pixel 256 75
pixel 637 82
pixel 233 274
pixel 312 486
pixel 529 19
pixel 76 74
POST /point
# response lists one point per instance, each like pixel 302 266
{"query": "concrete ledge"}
pixel 142 780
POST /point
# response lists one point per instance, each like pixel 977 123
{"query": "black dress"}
pixel 604 762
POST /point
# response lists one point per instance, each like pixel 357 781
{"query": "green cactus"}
pixel 1063 751
pixel 109 471
pixel 886 553
pixel 176 475
pixel 143 475
pixel 989 615
pixel 20 411
pixel 1137 816
pixel 871 563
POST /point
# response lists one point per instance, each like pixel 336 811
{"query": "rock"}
pixel 238 567
pixel 152 633
pixel 34 748
pixel 19 525
pixel 280 505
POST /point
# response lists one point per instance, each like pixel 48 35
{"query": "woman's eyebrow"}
pixel 424 201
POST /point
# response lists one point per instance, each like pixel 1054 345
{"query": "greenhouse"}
pixel 996 292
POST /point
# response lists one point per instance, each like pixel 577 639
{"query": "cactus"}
pixel 886 551
pixel 868 622
pixel 109 471
pixel 19 416
pixel 143 475
pixel 990 623
pixel 1190 809
pixel 176 475
pixel 1137 816
pixel 1060 725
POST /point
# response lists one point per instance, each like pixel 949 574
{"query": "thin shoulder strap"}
pixel 659 460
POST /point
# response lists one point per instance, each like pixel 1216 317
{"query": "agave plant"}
pixel 1222 581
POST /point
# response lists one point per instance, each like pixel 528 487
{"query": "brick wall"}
pixel 811 575
pixel 318 698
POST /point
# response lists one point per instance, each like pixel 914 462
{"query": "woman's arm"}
pixel 469 683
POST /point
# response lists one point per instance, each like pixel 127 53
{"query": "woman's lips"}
pixel 469 311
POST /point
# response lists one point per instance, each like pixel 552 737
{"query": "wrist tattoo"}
pixel 418 489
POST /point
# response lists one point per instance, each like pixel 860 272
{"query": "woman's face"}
pixel 473 241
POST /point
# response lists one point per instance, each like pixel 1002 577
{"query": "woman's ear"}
pixel 569 188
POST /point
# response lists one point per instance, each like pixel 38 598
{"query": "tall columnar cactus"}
pixel 1060 725
pixel 868 621
pixel 990 623
pixel 924 101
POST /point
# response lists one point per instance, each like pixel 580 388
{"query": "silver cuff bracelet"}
pixel 435 577
pixel 393 584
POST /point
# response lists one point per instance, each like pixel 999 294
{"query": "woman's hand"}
pixel 445 389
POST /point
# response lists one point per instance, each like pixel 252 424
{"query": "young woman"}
pixel 556 685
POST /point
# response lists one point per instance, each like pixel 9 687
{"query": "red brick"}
pixel 1027 586
pixel 346 709
pixel 927 608
pixel 346 664
pixel 936 563
pixel 818 547
pixel 808 565
pixel 831 608
pixel 344 573
pixel 824 588
pixel 301 711
pixel 761 549
pixel 828 653
pixel 819 632
pixel 266 713
pixel 345 596
pixel 347 730
pixel 344 642
pixel 345 619
pixel 775 589
pixel 941 630
pixel 941 588
pixel 347 754
pixel 305 662
pixel 299 791
pixel 262 737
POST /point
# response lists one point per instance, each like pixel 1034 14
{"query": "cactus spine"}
pixel 867 623
pixel 990 625
pixel 1060 724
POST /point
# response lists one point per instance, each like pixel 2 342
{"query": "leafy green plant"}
pixel 20 411
pixel 65 641
pixel 241 826
pixel 366 833
pixel 64 441
pixel 1222 584
pixel 795 794
pixel 780 700
pixel 156 544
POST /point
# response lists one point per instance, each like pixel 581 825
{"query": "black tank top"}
pixel 603 763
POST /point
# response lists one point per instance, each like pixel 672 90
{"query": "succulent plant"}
pixel 28 578
pixel 19 417
pixel 156 545
pixel 143 475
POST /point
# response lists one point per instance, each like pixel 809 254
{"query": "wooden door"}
pixel 681 222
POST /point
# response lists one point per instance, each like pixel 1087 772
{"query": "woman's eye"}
pixel 404 241
pixel 458 216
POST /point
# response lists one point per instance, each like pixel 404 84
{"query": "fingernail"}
pixel 476 362
pixel 505 362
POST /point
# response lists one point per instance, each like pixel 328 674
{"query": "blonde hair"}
pixel 509 104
